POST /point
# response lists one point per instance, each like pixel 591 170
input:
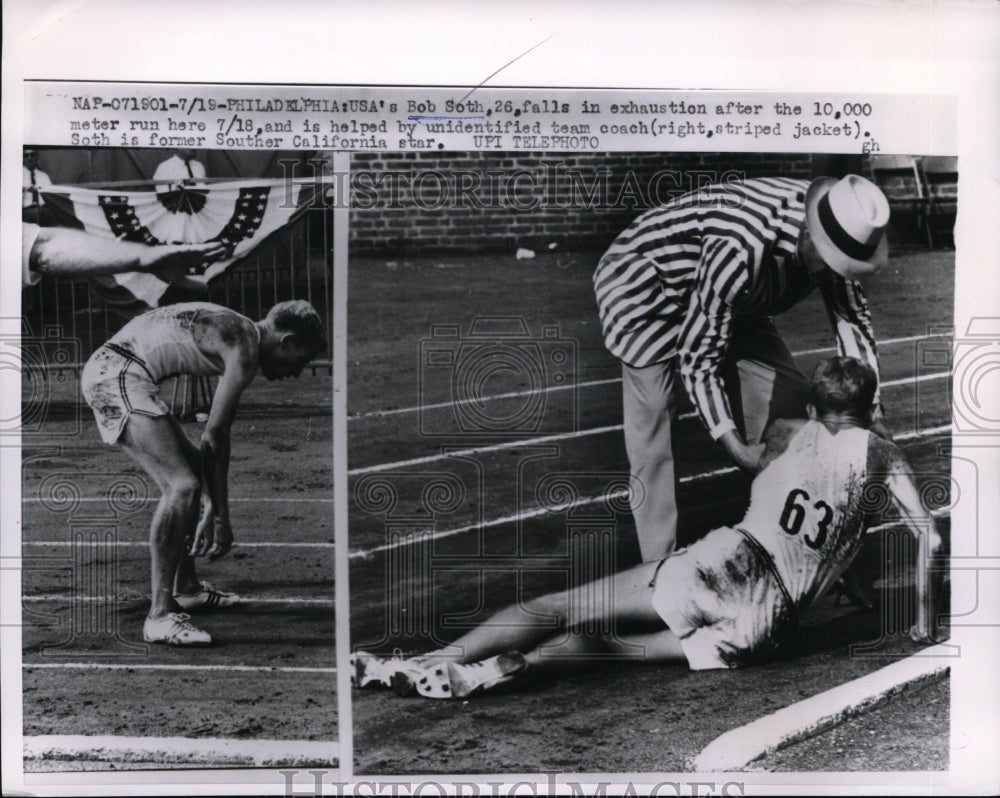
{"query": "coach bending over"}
pixel 687 291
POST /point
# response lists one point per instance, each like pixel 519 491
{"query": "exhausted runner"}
pixel 733 597
pixel 120 383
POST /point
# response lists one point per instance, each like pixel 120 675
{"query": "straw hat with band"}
pixel 847 220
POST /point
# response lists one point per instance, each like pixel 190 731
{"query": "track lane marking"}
pixel 236 545
pixel 244 601
pixel 588 384
pixel 492 447
pixel 378 467
pixel 427 535
pixel 121 666
pixel 526 515
pixel 173 750
pixel 247 500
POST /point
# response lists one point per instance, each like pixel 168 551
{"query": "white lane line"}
pixel 121 666
pixel 906 339
pixel 508 519
pixel 589 384
pixel 493 447
pixel 481 399
pixel 938 375
pixel 145 544
pixel 69 597
pixel 941 512
pixel 737 748
pixel 247 500
pixel 905 436
pixel 213 751
pixel 426 535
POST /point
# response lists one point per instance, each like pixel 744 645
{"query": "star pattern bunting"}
pixel 239 213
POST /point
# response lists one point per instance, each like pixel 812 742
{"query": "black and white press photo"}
pixel 177 483
pixel 492 435
pixel 643 448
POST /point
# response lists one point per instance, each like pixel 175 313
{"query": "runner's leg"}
pixel 510 629
pixel 577 651
pixel 152 441
pixel 186 580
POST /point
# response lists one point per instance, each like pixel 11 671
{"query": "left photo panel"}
pixel 177 449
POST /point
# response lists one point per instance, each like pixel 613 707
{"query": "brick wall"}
pixel 76 165
pixel 463 202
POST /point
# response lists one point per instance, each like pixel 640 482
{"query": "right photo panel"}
pixel 647 450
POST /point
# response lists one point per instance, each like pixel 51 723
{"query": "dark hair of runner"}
pixel 843 385
pixel 301 319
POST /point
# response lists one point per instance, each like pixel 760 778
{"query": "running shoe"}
pixel 404 680
pixel 368 670
pixel 208 598
pixel 454 680
pixel 174 630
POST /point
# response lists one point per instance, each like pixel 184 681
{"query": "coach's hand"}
pixel 879 427
pixel 746 457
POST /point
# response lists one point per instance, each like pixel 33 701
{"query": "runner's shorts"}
pixel 115 384
pixel 722 597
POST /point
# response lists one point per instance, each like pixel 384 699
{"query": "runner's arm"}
pixel 240 366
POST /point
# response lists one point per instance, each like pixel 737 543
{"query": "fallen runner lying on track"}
pixel 734 597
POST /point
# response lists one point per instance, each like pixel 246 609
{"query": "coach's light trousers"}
pixel 762 382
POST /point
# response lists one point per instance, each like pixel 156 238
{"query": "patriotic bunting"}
pixel 240 214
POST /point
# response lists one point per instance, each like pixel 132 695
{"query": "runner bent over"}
pixel 120 383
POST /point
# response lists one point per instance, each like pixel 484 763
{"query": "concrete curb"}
pixel 737 748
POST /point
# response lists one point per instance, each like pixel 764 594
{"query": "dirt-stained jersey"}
pixel 806 507
pixel 162 341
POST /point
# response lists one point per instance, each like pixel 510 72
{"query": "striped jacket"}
pixel 671 283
